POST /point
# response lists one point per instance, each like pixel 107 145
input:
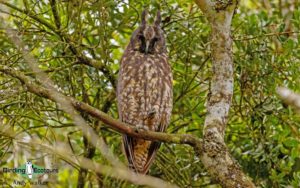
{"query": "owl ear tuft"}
pixel 157 19
pixel 144 17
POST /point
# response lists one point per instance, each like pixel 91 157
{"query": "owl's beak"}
pixel 147 47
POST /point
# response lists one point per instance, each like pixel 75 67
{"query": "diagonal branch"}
pixel 64 152
pixel 112 123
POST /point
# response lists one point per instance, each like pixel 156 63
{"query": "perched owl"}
pixel 145 91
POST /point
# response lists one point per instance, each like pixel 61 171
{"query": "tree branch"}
pixel 64 152
pixel 216 157
pixel 112 123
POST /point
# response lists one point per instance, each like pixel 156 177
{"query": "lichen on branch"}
pixel 216 157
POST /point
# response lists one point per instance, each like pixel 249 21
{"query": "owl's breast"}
pixel 144 69
pixel 145 81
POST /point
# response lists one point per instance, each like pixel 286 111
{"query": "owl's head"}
pixel 148 39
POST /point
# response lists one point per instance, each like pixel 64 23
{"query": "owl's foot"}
pixel 142 127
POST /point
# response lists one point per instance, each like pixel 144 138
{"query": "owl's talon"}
pixel 145 128
pixel 141 127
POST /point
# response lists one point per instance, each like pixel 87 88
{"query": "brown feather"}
pixel 144 93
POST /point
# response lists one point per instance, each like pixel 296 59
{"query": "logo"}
pixel 30 171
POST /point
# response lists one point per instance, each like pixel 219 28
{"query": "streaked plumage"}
pixel 145 91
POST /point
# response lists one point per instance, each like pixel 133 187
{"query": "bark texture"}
pixel 216 157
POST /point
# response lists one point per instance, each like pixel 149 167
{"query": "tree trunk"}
pixel 215 155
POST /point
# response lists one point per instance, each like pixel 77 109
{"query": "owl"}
pixel 144 91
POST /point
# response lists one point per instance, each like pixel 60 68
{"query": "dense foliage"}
pixel 262 133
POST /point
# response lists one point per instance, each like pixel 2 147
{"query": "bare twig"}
pixel 266 35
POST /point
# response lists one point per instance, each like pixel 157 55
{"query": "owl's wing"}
pixel 128 148
pixel 152 153
pixel 129 144
pixel 154 148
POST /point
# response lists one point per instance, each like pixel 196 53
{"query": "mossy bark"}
pixel 215 155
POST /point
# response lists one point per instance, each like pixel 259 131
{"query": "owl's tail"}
pixel 140 153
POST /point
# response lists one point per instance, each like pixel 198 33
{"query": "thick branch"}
pixel 109 121
pixel 216 157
